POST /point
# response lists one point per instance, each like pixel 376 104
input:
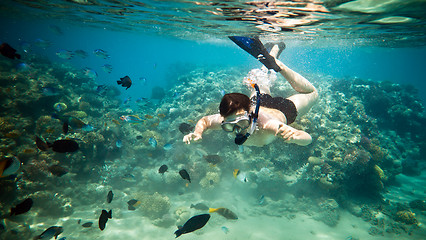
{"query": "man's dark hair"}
pixel 232 102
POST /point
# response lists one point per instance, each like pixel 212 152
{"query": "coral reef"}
pixel 154 205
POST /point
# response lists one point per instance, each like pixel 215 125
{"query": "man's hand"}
pixel 191 136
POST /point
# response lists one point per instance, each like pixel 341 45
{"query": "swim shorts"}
pixel 285 105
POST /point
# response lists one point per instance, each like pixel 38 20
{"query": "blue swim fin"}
pixel 255 48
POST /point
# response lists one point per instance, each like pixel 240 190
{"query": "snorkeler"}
pixel 258 120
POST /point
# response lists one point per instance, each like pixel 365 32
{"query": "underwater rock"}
pixel 329 213
pixel 406 216
pixel 50 204
pixel 182 214
pixel 210 180
pixel 315 160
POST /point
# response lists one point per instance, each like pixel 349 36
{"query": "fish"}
pixel 168 146
pixel 131 118
pixel 9 166
pixel 101 53
pixel 60 146
pixel 41 144
pixel 125 82
pixel 64 146
pixel 128 177
pixel 78 221
pixel 185 128
pixel 103 218
pixel 163 169
pixel 65 54
pixel 53 231
pixel 42 43
pixel 132 204
pixel 49 91
pixel 148 116
pixel 236 172
pixel 62 238
pixel 107 68
pixel 22 207
pixel 127 100
pixel 142 80
pixel 242 176
pixel 194 223
pixel 225 229
pixel 224 212
pixel 60 107
pixel 139 137
pixel 222 92
pixel 199 206
pixel 65 127
pixel 58 170
pixel 22 67
pixel 110 196
pixel 90 73
pixel 152 141
pixel 8 51
pixel 116 122
pixel 161 115
pixel 261 199
pixel 81 53
pixel 75 123
pixel 55 29
pixel 184 174
pixel 213 159
pixel 118 143
pixel 87 225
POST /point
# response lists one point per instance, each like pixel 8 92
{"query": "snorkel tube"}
pixel 240 138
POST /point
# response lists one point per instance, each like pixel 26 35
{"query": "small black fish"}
pixel 8 51
pixel 213 159
pixel 22 207
pixel 64 145
pixel 53 231
pixel 60 146
pixel 58 170
pixel 185 128
pixel 87 225
pixel 125 82
pixel 200 206
pixel 194 223
pixel 139 137
pixel 43 146
pixel 110 196
pixel 65 127
pixel 163 169
pixel 79 221
pixel 184 174
pixel 103 219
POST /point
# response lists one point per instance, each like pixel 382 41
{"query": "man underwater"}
pixel 258 120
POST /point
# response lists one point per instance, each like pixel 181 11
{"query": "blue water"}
pixel 156 57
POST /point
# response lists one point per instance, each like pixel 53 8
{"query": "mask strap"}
pixel 240 139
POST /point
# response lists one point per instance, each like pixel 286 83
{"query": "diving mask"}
pixel 240 123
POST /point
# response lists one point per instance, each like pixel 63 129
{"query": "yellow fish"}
pixel 116 121
pixel 161 115
pixel 224 212
pixel 148 116
pixel 236 172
